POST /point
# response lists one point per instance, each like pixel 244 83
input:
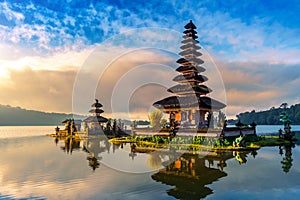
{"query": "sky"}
pixel 58 56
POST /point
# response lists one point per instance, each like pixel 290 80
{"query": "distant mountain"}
pixel 16 116
pixel 271 116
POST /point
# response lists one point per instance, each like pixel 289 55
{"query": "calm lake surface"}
pixel 34 166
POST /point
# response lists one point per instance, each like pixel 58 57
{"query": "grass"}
pixel 270 141
pixel 186 143
pixel 196 143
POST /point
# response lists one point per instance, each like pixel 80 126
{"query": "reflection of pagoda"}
pixel 190 175
pixel 190 105
pixel 94 148
pixel 95 121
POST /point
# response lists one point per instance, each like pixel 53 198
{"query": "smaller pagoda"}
pixel 95 121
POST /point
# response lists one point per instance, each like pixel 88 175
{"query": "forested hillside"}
pixel 16 116
pixel 271 117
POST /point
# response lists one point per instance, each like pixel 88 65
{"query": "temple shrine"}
pixel 96 119
pixel 190 105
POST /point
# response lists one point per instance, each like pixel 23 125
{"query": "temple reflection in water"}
pixel 190 174
pixel 92 146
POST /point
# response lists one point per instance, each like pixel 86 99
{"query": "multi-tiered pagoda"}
pixel 96 119
pixel 190 104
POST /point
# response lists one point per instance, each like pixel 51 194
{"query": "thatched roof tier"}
pixel 191 61
pixel 190 35
pixel 190 52
pixel 188 103
pixel 97 104
pixel 169 102
pixel 190 31
pixel 189 40
pixel 188 89
pixel 190 25
pixel 99 119
pixel 183 61
pixel 215 104
pixel 190 78
pixel 186 69
pixel 97 110
pixel 196 61
pixel 190 46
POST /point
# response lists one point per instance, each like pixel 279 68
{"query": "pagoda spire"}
pixel 96 108
pixel 190 80
pixel 96 112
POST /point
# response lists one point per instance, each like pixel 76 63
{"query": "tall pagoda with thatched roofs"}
pixel 190 104
pixel 96 119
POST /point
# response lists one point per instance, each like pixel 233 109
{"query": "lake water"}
pixel 34 166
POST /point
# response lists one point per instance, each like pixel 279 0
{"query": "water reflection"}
pixel 189 174
pixel 287 160
pixel 93 146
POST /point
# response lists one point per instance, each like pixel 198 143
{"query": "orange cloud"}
pixel 39 90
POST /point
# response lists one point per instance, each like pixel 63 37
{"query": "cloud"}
pixel 14 58
pixel 230 34
pixel 11 15
pixel 39 89
pixel 116 74
pixel 258 85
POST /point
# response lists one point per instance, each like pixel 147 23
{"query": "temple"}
pixel 190 104
pixel 92 125
pixel 94 122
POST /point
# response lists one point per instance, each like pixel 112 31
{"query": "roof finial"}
pixel 96 100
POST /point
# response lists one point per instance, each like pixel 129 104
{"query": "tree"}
pixel 283 105
pixel 155 117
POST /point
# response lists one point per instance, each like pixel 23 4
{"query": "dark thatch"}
pixel 97 104
pixel 192 31
pixel 190 40
pixel 97 110
pixel 190 78
pixel 191 46
pixel 188 89
pixel 187 52
pixel 190 68
pixel 169 102
pixel 184 61
pixel 191 101
pixel 190 36
pixel 99 119
pixel 190 25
